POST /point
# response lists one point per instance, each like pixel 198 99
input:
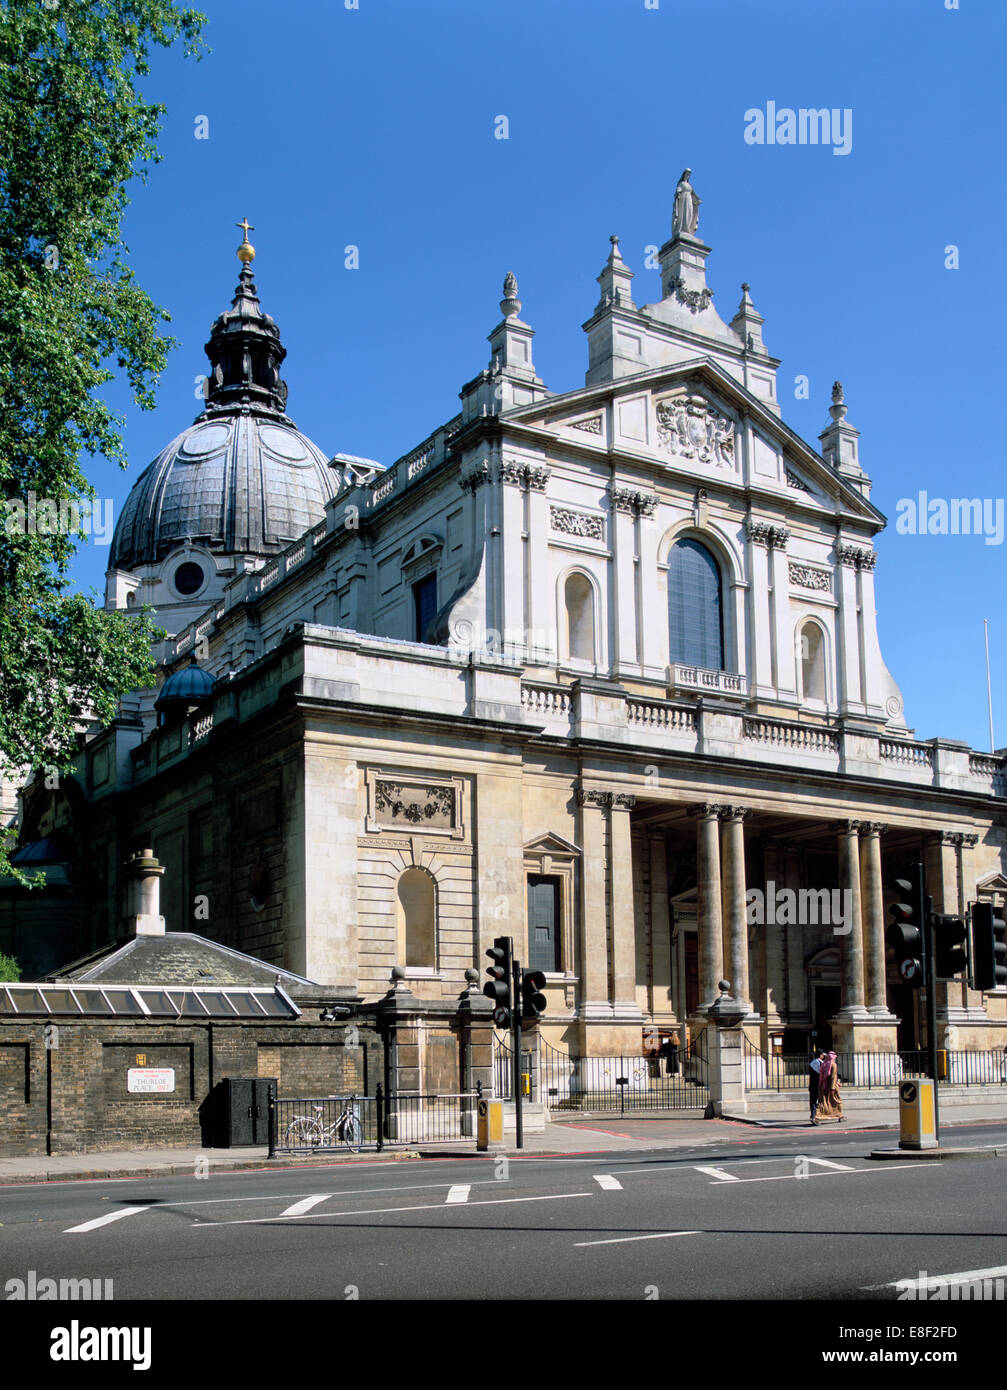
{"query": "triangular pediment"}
pixel 992 883
pixel 551 843
pixel 687 418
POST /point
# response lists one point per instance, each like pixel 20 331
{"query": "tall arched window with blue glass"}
pixel 695 606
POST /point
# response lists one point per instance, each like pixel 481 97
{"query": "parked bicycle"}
pixel 309 1131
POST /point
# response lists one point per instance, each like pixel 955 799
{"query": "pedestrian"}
pixel 830 1101
pixel 674 1043
pixel 814 1068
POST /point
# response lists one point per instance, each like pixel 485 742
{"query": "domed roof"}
pixel 242 478
pixel 236 483
pixel 189 686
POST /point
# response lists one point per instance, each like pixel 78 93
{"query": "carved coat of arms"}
pixel 689 427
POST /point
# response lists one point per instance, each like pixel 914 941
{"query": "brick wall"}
pixel 71 1095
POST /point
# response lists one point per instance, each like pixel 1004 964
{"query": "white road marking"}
pixel 305 1204
pixel 827 1163
pixel 720 1174
pixel 858 1172
pixel 969 1276
pixel 624 1240
pixel 458 1193
pixel 382 1211
pixel 104 1220
pixel 606 1181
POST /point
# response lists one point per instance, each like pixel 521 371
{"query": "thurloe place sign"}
pixel 150 1079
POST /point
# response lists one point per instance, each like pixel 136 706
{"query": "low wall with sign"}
pixel 78 1085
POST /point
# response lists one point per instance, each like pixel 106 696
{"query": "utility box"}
pixel 490 1126
pixel 241 1111
pixel 916 1114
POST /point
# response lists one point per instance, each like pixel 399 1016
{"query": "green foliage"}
pixel 10 971
pixel 74 131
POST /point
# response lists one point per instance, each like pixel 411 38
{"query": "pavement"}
pixel 610 1133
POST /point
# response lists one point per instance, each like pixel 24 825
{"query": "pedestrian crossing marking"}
pixel 459 1192
pixel 720 1174
pixel 305 1204
pixel 103 1220
pixel 606 1181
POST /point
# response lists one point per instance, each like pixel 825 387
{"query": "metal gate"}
pixel 624 1084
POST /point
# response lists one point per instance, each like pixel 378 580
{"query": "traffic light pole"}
pixel 516 1043
pixel 930 980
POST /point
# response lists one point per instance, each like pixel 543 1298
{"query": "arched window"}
pixel 812 652
pixel 695 607
pixel 579 598
pixel 416 913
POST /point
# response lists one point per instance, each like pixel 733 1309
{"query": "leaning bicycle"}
pixel 306 1131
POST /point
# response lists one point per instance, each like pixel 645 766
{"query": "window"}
pixel 425 601
pixel 543 923
pixel 417 919
pixel 579 598
pixel 695 606
pixel 812 647
pixel 188 578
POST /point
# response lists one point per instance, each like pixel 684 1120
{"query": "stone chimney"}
pixel 143 894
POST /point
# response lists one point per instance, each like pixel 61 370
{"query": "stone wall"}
pixel 72 1097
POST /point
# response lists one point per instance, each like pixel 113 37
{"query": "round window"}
pixel 188 578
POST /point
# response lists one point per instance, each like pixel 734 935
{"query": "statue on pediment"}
pixel 685 216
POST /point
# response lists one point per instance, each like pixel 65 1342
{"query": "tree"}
pixel 74 131
pixel 10 971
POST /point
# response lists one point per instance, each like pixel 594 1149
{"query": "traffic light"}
pixel 533 1001
pixel 905 931
pixel 950 955
pixel 498 986
pixel 989 947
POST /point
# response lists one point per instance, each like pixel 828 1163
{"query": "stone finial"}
pixel 510 305
pixel 471 976
pixel 838 407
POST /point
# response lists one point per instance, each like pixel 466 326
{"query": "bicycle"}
pixel 305 1131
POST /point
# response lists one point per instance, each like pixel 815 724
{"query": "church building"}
pixel 596 669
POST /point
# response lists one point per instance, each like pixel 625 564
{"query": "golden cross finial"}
pixel 246 251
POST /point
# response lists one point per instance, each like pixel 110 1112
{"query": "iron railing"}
pixel 790 1071
pixel 624 1084
pixel 334 1124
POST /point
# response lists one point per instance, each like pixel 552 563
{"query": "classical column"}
pixel 711 928
pixel 798 1001
pixel 734 903
pixel 593 964
pixel 771 999
pixel 873 916
pixel 623 907
pixel 662 1001
pixel 852 950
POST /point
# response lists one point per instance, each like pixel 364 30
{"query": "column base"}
pixel 868 1048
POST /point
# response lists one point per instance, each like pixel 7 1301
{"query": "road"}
pixel 789 1215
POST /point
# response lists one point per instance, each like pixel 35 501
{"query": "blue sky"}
pixel 375 127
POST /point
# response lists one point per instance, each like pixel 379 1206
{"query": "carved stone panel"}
pixel 425 805
pixel 575 523
pixel 688 427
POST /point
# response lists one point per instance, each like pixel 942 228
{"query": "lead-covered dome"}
pixel 241 479
pixel 233 483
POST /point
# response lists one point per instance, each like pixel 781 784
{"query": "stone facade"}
pixel 464 682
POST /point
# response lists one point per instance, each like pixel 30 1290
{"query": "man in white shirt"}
pixel 814 1067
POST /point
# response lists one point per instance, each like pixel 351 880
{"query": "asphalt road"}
pixel 792 1215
